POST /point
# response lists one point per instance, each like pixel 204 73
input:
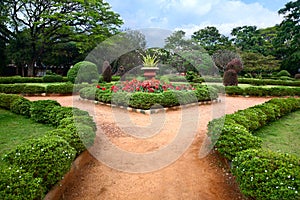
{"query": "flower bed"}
pixel 148 94
pixel 261 174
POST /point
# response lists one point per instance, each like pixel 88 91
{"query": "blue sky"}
pixel 192 15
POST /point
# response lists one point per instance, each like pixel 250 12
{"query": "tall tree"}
pixel 211 40
pixel 288 40
pixel 247 38
pixel 52 22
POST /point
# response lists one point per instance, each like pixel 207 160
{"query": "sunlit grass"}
pixel 282 135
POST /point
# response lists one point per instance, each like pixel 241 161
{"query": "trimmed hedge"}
pixel 64 88
pixel 267 175
pixel 261 91
pixel 35 166
pixel 52 78
pixel 143 100
pixel 48 158
pixel 260 173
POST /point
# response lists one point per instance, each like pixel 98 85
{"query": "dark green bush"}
pixel 272 111
pixel 169 99
pixel 103 95
pixel 144 100
pixel 52 78
pixel 267 175
pixel 21 106
pixel 19 79
pixel 64 88
pixel 40 110
pixel 234 90
pixel 18 184
pixel 121 98
pixel 12 88
pixel 84 71
pixel 7 99
pixel 48 158
pixel 34 89
pixel 253 81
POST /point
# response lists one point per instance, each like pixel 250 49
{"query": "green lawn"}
pixel 15 129
pixel 282 135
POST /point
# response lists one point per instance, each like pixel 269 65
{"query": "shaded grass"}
pixel 15 129
pixel 282 135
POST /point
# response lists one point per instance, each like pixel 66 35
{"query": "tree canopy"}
pixel 48 23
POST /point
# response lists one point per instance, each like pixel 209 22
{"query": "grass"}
pixel 15 129
pixel 282 135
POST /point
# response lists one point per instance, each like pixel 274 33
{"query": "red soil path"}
pixel 189 177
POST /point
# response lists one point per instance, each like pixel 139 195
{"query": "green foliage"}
pixel 253 81
pixel 283 73
pixel 193 77
pixel 7 99
pixel 267 175
pixel 33 89
pixel 17 184
pixel 21 106
pixel 52 78
pixel 12 88
pixel 88 92
pixel 48 158
pixel 81 119
pixel 115 78
pixel 262 91
pixel 84 71
pixel 235 138
pixel 64 88
pixel 19 79
pixel 40 110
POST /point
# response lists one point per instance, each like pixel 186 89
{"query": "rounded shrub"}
pixel 283 73
pixel 7 99
pixel 268 175
pixel 48 158
pixel 230 78
pixel 85 119
pixel 21 106
pixel 84 71
pixel 40 110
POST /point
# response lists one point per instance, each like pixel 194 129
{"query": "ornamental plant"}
pixel 150 86
pixel 232 69
pixel 149 61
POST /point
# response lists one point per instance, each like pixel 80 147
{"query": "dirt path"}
pixel 188 177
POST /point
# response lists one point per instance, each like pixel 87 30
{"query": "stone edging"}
pixel 80 162
pixel 152 111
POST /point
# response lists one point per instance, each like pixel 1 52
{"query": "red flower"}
pixel 98 86
pixel 103 89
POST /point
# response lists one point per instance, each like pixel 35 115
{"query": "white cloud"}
pixel 192 15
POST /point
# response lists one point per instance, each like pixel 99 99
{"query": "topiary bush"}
pixel 21 106
pixel 107 74
pixel 263 174
pixel 40 110
pixel 230 78
pixel 84 71
pixel 48 158
pixel 283 73
pixel 12 88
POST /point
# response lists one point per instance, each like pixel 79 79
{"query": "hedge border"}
pixel 9 159
pixel 152 111
pixel 235 136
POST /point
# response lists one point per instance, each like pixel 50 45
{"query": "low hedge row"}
pixel 63 88
pixel 34 167
pixel 262 91
pixel 265 175
pixel 44 79
pixel 145 101
pixel 253 81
